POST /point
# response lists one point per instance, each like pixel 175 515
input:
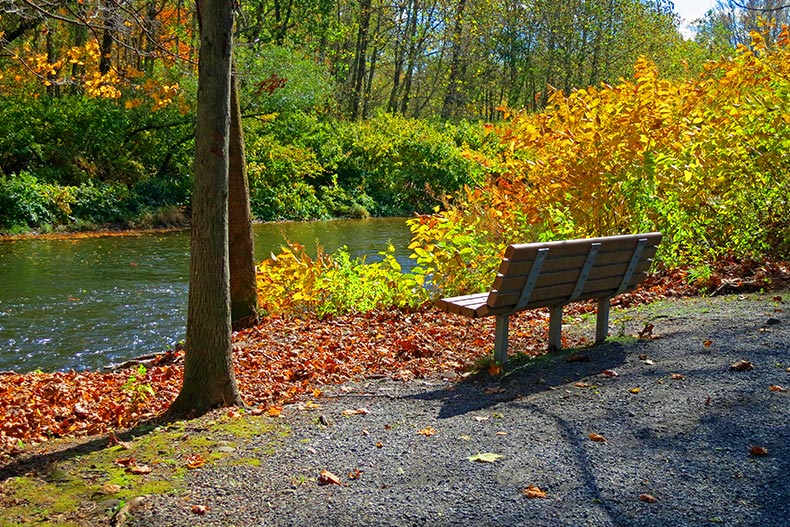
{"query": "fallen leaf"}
pixel 274 411
pixel 648 362
pixel 533 491
pixel 327 478
pixel 486 457
pixel 355 474
pixel 125 461
pixel 427 431
pixel 480 418
pixel 596 437
pixel 776 388
pixel 777 298
pixel 139 470
pixel 610 373
pixel 677 376
pixel 358 411
pixel 501 433
pixel 200 509
pixel 581 385
pixel 758 451
pixel 79 411
pixel 707 343
pixel 494 369
pixel 647 331
pixel 379 445
pixel 110 488
pixel 741 365
pixel 634 390
pixel 647 498
pixel 194 461
pixel 707 401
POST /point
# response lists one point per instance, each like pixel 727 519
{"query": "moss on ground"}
pixel 88 483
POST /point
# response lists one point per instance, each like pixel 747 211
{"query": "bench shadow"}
pixel 525 376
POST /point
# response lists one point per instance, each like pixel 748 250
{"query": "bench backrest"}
pixel 555 273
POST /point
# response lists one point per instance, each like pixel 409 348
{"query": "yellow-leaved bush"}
pixel 706 161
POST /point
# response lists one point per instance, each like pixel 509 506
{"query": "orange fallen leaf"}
pixel 494 369
pixel 274 411
pixel 707 343
pixel 647 331
pixel 647 498
pixel 427 431
pixel 677 376
pixel 596 437
pixel 379 445
pixel 125 461
pixel 327 478
pixel 533 491
pixel 610 373
pixel 581 385
pixel 200 509
pixel 758 451
pixel 776 388
pixel 355 474
pixel 194 461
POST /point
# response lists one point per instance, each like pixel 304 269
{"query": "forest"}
pixel 350 109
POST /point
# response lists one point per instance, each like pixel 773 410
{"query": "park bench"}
pixel 553 274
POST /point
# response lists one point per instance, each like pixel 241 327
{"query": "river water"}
pixel 83 303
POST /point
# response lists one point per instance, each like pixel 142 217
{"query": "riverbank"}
pixel 684 426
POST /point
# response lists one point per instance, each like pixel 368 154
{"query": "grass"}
pixel 83 483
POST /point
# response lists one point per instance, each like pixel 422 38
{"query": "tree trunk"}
pixel 243 285
pixel 452 96
pixel 209 381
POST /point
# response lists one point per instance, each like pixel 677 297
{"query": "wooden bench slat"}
pixel 599 288
pixel 516 282
pixel 526 251
pixel 555 264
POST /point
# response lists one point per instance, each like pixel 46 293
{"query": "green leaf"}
pixel 486 457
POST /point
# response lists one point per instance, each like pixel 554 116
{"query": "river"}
pixel 83 303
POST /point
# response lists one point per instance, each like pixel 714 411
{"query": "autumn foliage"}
pixel 702 160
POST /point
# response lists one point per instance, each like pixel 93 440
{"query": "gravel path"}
pixel 684 439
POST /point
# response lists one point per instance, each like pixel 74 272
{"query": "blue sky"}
pixel 689 10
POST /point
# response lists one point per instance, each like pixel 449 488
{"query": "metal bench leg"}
pixel 555 328
pixel 602 322
pixel 500 342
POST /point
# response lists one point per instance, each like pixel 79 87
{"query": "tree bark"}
pixel 243 284
pixel 209 381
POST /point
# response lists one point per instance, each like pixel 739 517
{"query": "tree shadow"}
pixel 38 461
